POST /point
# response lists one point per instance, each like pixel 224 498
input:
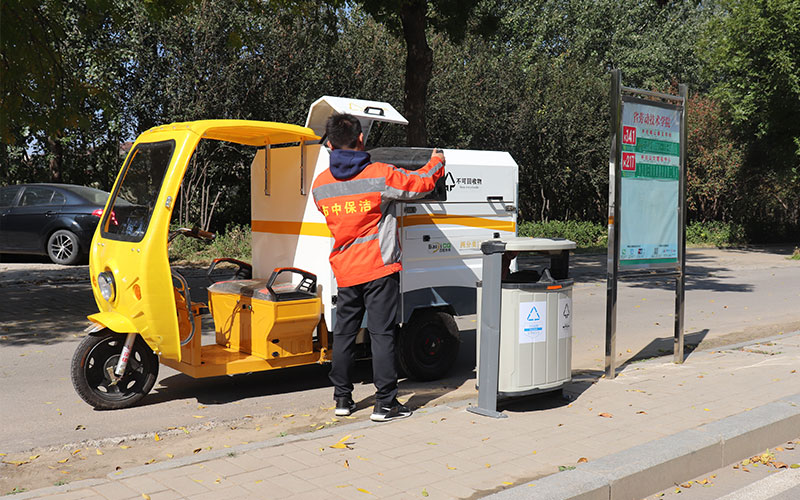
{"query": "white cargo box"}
pixel 440 239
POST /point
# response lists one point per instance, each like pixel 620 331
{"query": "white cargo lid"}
pixel 367 112
pixel 523 244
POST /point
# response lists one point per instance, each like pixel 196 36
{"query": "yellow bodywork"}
pixel 145 301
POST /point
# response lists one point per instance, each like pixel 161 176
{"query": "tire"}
pixel 63 247
pixel 90 377
pixel 428 346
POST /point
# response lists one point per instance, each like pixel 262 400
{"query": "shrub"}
pixel 715 233
pixel 234 242
pixel 586 235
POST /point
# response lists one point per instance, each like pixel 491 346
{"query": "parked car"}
pixel 57 220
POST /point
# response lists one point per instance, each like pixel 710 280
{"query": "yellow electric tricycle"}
pixel 146 311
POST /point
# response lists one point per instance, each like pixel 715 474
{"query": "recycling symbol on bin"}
pixel 534 315
pixel 566 311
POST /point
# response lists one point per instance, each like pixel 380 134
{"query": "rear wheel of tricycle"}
pixel 100 351
pixel 428 346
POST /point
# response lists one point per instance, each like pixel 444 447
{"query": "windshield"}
pixel 135 196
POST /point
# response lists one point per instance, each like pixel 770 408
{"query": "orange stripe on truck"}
pixel 321 229
pixel 459 220
pixel 288 227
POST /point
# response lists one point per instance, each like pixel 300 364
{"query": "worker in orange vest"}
pixel 357 198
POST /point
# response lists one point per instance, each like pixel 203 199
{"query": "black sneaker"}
pixel 344 406
pixel 392 411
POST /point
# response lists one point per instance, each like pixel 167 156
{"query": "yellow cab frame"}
pixel 145 307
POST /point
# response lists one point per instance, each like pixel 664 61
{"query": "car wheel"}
pixel 63 248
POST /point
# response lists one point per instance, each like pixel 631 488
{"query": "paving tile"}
pixel 143 484
pixel 265 488
pixel 114 490
pixel 224 467
pixel 165 495
pixel 326 469
pixel 186 486
pixel 222 494
pixel 293 483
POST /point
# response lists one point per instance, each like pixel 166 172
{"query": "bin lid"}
pixel 523 244
pixel 367 112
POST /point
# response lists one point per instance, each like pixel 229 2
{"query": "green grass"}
pixel 796 254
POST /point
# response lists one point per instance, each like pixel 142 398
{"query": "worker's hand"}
pixel 437 153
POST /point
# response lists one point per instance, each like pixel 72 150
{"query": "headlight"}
pixel 105 282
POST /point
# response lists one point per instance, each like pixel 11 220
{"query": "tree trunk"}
pixel 419 64
pixel 56 158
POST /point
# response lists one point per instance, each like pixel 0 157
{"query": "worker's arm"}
pixel 402 184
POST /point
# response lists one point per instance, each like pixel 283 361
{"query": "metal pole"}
pixel 613 226
pixel 489 358
pixel 680 281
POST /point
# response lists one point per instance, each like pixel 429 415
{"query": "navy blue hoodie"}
pixel 347 163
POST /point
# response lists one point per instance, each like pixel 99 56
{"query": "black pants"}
pixel 379 298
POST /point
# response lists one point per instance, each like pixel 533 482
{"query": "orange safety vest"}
pixel 360 214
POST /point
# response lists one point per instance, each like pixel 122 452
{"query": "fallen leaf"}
pixel 217 480
pixel 80 428
pixel 200 407
pixel 641 412
pixel 63 461
pixel 487 465
pixel 687 485
pixel 350 417
pixel 583 460
pixel 150 461
pixel 98 451
pixel 605 415
pixel 704 481
pixel 451 468
pixel 779 465
pixel 16 462
pixel 424 492
pixel 362 490
pixel 124 446
pixel 779 448
pixel 198 416
pixel 507 483
pixel 432 443
pixel 346 464
pixel 362 458
pixel 183 429
pixel 197 450
pixel 794 466
pixel 170 455
pixel 289 415
pixel 157 437
pixel 340 446
pixel 145 496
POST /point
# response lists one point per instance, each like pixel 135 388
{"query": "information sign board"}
pixel 650 184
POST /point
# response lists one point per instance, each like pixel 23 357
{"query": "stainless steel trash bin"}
pixel 531 342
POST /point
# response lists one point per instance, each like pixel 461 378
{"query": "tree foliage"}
pixel 81 78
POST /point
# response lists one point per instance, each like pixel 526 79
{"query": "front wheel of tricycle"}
pixel 94 359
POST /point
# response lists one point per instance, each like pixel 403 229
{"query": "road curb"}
pixel 659 464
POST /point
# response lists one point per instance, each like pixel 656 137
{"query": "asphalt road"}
pixel 731 296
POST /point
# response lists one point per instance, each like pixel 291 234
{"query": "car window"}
pixel 58 198
pixel 36 196
pixel 94 196
pixel 7 195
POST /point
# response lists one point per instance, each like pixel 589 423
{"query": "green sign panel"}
pixel 650 170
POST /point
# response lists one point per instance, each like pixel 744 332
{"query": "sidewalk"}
pixel 655 424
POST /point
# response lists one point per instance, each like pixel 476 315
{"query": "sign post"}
pixel 647 197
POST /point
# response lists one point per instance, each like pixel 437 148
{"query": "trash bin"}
pixel 529 344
